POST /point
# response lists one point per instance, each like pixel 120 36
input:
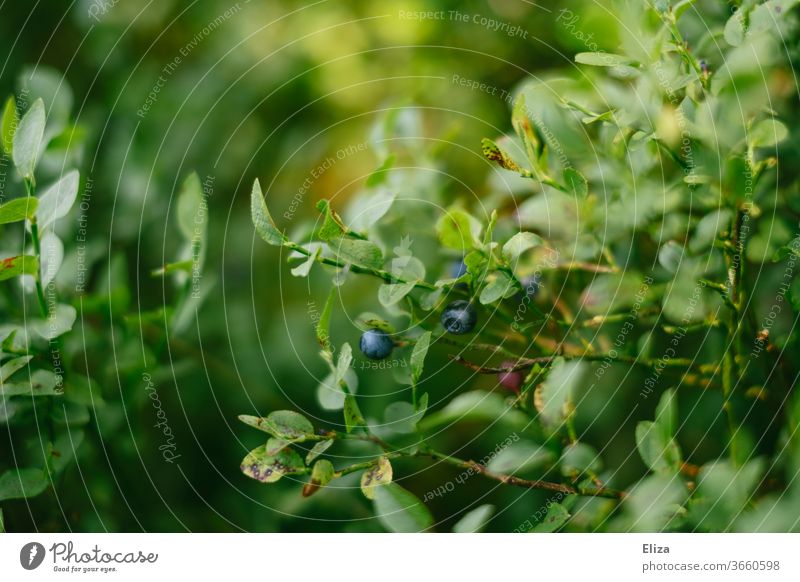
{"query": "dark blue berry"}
pixel 458 269
pixel 459 317
pixel 376 344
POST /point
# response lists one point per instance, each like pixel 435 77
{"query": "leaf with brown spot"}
pixel 266 468
pixel 16 266
pixel 379 474
pixel 322 474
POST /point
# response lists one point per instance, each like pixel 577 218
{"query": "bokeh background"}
pixel 268 89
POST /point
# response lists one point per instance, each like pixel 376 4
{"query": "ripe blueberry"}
pixel 459 317
pixel 376 344
pixel 457 269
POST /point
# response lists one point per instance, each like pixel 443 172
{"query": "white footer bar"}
pixel 387 557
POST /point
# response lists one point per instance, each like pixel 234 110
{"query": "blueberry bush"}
pixel 634 260
pixel 507 266
pixel 59 306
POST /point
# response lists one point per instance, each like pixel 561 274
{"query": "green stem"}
pixel 381 274
pixel 527 363
pixel 426 451
pixel 37 248
pixel 734 260
pixel 518 482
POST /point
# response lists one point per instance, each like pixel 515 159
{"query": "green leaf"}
pixel 317 450
pixel 602 59
pixel 344 361
pixel 658 453
pixel 706 231
pixel 40 383
pixel 70 414
pixel 22 483
pixel 266 468
pixel 12 366
pixel 767 133
pixel 681 7
pixel 358 252
pixel 264 225
pixel 499 285
pixel 58 322
pixel 422 404
pixel 321 474
pixel 304 268
pixel 392 293
pixel 670 256
pixel 57 199
pixel 352 415
pixel 369 209
pixel 522 125
pixel 332 225
pixel 430 301
pixel 275 446
pixel 189 207
pixel 83 390
pixel 402 417
pixel 556 517
pixel 170 268
pixel 457 229
pixel 580 458
pixel 8 342
pixel 475 520
pixel 330 393
pixel 379 175
pixel 2 523
pixel 27 142
pixel 608 293
pixel 724 492
pixel 654 501
pixel 52 253
pixel 282 424
pixel 418 355
pixel 400 511
pixel 734 28
pixel 49 84
pixel 576 182
pixel 667 413
pixel 519 243
pixel 376 476
pixel 18 209
pixel 8 125
pixel 564 378
pixel 369 320
pixel 520 456
pixel 16 266
pixel 324 323
pixel 477 405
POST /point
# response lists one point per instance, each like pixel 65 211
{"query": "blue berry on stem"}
pixel 459 317
pixel 457 269
pixel 376 344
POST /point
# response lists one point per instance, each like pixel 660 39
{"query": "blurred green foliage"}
pixel 312 99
